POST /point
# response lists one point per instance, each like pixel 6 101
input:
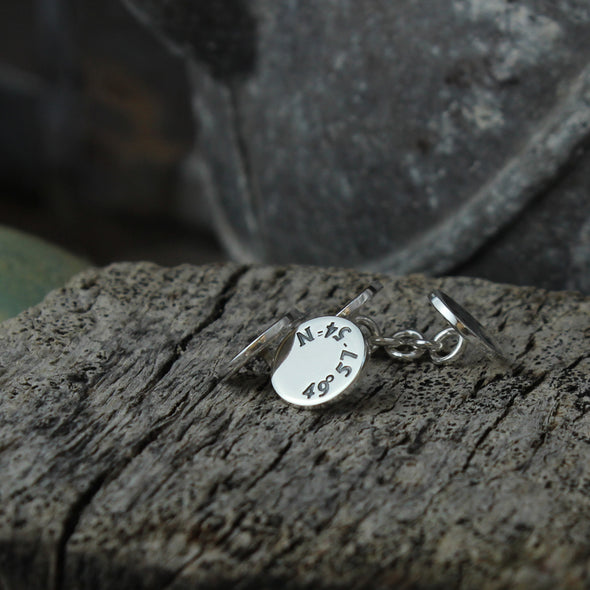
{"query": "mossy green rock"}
pixel 29 269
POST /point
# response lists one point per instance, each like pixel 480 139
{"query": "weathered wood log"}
pixel 125 463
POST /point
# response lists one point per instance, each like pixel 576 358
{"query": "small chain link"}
pixel 372 327
pixel 409 345
pixel 451 341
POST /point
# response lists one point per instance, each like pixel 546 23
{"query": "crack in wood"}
pixel 69 526
pixel 85 499
pixel 486 433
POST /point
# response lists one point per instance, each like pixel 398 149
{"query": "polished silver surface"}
pixel 462 321
pixel 321 359
pixel 405 345
pixel 410 345
pixel 262 343
pixel 448 346
pixel 353 306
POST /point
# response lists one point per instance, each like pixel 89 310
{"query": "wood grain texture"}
pixel 125 463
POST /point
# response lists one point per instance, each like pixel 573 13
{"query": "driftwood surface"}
pixel 126 463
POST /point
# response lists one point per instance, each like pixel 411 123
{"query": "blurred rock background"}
pixel 95 129
pixel 449 138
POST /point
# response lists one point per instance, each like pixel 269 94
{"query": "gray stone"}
pixel 126 463
pixel 392 136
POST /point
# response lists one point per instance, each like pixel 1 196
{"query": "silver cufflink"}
pixel 315 360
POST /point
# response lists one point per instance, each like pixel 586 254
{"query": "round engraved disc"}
pixel 319 360
pixel 462 321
